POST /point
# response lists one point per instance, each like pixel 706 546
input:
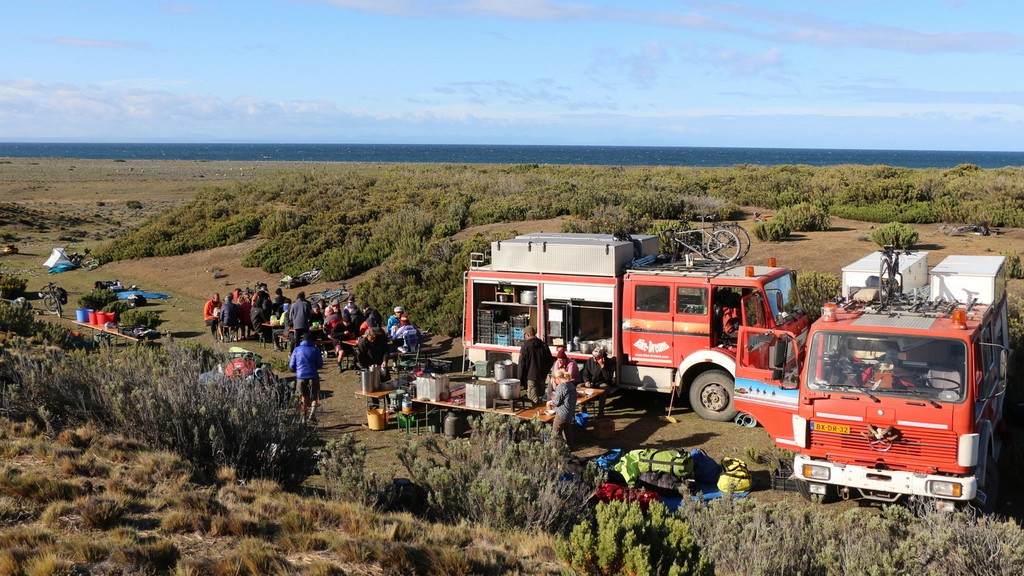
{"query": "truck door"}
pixel 766 383
pixel 647 332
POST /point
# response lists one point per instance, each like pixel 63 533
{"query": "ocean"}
pixel 511 154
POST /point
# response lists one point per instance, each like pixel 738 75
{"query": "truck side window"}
pixel 691 300
pixel 652 298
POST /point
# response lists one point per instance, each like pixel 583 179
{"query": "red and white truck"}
pixel 671 326
pixel 900 391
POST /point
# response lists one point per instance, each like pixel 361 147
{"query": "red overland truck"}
pixel 900 391
pixel 670 326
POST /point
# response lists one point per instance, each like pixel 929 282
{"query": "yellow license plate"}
pixel 831 428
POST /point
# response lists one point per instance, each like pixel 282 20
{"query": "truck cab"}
pixel 900 394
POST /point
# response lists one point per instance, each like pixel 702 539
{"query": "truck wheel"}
pixel 990 487
pixel 711 396
pixel 804 488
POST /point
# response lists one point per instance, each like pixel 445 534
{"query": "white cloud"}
pixel 94 43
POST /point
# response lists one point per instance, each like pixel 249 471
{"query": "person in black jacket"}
pixel 535 362
pixel 599 372
pixel 372 350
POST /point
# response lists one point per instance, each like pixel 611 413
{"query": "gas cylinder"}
pixel 451 425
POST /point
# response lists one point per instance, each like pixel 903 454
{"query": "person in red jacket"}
pixel 210 313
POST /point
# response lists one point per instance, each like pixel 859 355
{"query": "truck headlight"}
pixel 945 489
pixel 815 472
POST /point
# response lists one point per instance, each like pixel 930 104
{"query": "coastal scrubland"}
pixel 129 462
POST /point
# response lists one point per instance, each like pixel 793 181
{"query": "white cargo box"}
pixel 647 244
pixel 963 278
pixel 481 394
pixel 913 267
pixel 562 256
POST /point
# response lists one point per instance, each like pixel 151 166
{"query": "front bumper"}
pixel 879 484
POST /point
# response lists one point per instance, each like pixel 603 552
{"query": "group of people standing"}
pixel 537 365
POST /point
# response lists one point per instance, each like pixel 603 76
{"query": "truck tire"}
pixel 990 487
pixel 711 396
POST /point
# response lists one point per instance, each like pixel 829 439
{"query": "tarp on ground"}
pixel 126 294
pixel 58 261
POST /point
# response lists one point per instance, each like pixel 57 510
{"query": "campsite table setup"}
pixel 102 333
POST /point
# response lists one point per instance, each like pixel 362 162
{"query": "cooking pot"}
pixel 586 346
pixel 509 388
pixel 528 297
pixel 503 297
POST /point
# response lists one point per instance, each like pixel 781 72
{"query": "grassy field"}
pixel 80 204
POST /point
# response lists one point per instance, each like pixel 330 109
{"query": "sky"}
pixel 862 74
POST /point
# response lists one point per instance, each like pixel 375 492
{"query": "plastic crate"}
pixel 517 333
pixel 482 368
pixel 521 320
pixel 501 340
pixel 501 329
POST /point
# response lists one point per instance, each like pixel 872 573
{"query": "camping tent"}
pixel 58 261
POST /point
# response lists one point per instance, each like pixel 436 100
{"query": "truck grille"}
pixel 933 448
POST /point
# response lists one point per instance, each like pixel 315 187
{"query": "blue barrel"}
pixel 82 315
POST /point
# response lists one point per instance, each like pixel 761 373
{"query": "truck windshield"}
pixel 888 365
pixel 783 297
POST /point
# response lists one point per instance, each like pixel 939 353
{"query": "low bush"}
pixel 135 317
pixel 804 217
pixel 771 231
pixel 161 398
pixel 896 234
pixel 624 538
pixel 506 476
pixel 12 287
pixel 1013 265
pixel 816 288
pixel 97 299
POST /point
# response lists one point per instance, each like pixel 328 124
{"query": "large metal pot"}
pixel 509 388
pixel 586 346
pixel 369 379
pixel 528 297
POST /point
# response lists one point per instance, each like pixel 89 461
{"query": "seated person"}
pixel 407 336
pixel 343 331
pixel 229 315
pixel 888 373
pixel 599 372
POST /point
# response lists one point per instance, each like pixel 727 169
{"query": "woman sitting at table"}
pixel 343 335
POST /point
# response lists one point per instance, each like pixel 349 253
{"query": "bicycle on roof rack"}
pixel 718 242
pixel 54 298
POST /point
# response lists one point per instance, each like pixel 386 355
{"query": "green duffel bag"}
pixel 735 477
pixel 678 464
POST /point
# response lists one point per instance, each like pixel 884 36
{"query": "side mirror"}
pixel 779 353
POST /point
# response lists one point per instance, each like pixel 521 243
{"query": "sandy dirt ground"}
pixel 56 192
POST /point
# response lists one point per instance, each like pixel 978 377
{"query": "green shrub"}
pixel 135 317
pixel 97 299
pixel 771 231
pixel 626 539
pixel 804 217
pixel 816 288
pixel 119 308
pixel 1013 265
pixel 895 234
pixel 133 205
pixel 158 397
pixel 506 476
pixel 12 287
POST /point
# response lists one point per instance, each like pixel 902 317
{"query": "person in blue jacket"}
pixel 306 361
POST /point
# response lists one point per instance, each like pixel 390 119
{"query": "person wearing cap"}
pixel 407 336
pixel 563 362
pixel 563 402
pixel 279 302
pixel 599 372
pixel 535 362
pixel 371 318
pixel 394 320
pixel 352 312
pixel 306 361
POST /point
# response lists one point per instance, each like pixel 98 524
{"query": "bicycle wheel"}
pixel 722 246
pixel 51 303
pixel 744 238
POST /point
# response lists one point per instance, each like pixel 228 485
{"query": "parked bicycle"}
pixel 329 296
pixel 303 279
pixel 54 298
pixel 84 260
pixel 717 242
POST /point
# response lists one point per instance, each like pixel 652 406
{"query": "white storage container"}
pixel 562 256
pixel 913 267
pixel 963 278
pixel 481 394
